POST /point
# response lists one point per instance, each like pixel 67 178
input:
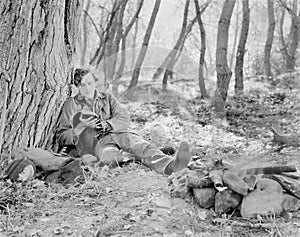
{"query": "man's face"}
pixel 87 86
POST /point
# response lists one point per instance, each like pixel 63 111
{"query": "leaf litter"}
pixel 135 201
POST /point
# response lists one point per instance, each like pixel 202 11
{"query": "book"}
pixel 83 115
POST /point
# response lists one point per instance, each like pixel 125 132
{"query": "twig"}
pixel 94 24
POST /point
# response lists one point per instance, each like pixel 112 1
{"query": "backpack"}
pixel 30 161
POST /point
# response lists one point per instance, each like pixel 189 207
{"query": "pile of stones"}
pixel 260 190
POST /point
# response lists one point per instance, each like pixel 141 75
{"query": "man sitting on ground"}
pixel 95 123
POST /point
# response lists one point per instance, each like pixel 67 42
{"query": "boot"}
pixel 182 159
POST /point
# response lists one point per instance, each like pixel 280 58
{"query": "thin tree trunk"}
pixel 223 71
pixel 269 41
pixel 37 44
pixel 124 37
pixel 84 32
pixel 293 39
pixel 179 45
pixel 136 29
pixel 116 44
pixel 283 45
pixel 99 53
pixel 236 31
pixel 173 53
pixel 202 88
pixel 239 65
pixel 142 54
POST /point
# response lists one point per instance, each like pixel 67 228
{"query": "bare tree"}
pixel 124 37
pixel 172 55
pixel 239 64
pixel 236 31
pixel 175 53
pixel 84 32
pixel 293 39
pixel 142 54
pixel 223 71
pixel 37 44
pixel 108 32
pixel 202 51
pixel 269 41
pixel 289 48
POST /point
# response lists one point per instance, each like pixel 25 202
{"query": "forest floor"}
pixel 135 201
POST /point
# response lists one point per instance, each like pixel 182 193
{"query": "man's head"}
pixel 85 81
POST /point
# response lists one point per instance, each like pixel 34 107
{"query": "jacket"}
pixel 104 105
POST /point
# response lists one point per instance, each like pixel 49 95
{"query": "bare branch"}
pixel 94 24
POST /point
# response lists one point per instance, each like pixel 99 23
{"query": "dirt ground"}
pixel 135 201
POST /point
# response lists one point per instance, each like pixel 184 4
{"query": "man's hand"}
pixel 85 123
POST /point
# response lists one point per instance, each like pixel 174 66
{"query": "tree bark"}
pixel 37 44
pixel 293 39
pixel 136 29
pixel 202 88
pixel 269 41
pixel 239 65
pixel 236 31
pixel 223 71
pixel 84 32
pixel 142 54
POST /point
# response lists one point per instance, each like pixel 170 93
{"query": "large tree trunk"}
pixel 239 64
pixel 37 43
pixel 223 71
pixel 293 40
pixel 202 88
pixel 84 32
pixel 142 54
pixel 269 41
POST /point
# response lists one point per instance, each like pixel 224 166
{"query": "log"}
pixel 276 169
pixel 290 185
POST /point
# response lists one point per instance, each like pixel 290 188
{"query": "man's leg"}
pixel 152 156
pixel 108 153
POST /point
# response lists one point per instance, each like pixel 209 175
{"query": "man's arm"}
pixel 66 134
pixel 120 118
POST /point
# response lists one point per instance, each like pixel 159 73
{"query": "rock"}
pixel 226 201
pixel 235 183
pixel 290 203
pixel 196 182
pixel 216 177
pixel 179 189
pixel 205 197
pixel 265 199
